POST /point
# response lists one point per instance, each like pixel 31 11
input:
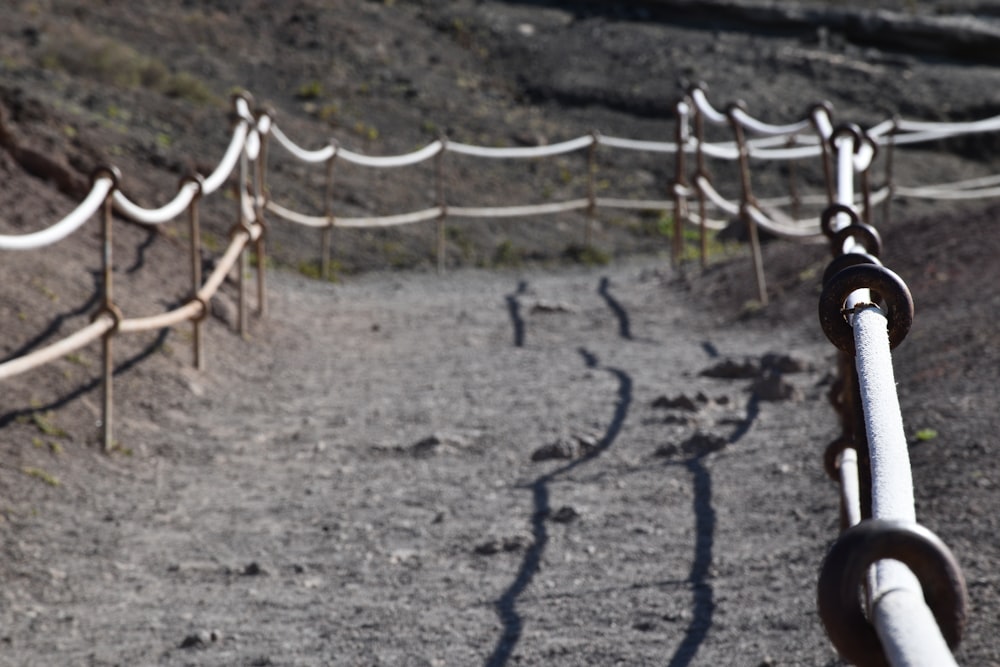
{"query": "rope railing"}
pixel 915 603
pixel 914 592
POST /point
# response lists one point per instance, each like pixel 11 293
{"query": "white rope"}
pixel 57 232
pixel 391 220
pixel 717 199
pixel 296 217
pixel 517 211
pixel 392 161
pixel 523 151
pixel 638 145
pixel 760 127
pixel 932 192
pixel 299 153
pixel 215 180
pixel 185 195
pixel 702 104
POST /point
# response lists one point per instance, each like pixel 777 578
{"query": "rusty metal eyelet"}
pixel 204 311
pixel 826 217
pixel 112 311
pixel 846 566
pixel 888 286
pixel 849 129
pixel 864 234
pixel 197 179
pixel 107 171
pixel 838 264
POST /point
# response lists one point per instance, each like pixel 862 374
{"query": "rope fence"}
pixel 915 597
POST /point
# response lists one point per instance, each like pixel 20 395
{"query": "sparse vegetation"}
pixel 82 53
pixel 588 255
pixel 41 475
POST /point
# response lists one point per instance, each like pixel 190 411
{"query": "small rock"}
pixel 566 448
pixel 680 402
pixel 488 548
pixel 254 570
pixel 565 514
pixel 506 544
pixel 200 639
pixel 784 363
pixel 552 307
pixel 729 369
pixel 773 387
pixel 701 444
pixel 435 444
pixel 667 451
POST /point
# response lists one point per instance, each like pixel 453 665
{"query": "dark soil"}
pixel 519 462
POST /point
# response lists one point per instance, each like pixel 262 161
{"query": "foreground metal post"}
pixel 194 230
pixel 107 307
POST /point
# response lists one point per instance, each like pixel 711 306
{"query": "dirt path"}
pixel 380 482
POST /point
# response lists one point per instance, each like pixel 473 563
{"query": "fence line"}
pixel 915 596
pixel 916 605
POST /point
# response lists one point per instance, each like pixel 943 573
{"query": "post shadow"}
pixel 514 308
pixel 624 324
pixel 506 604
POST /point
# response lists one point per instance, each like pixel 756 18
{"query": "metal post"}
pixel 107 304
pixel 439 190
pixel 194 229
pixel 744 164
pixel 680 182
pixel 259 202
pixel 591 190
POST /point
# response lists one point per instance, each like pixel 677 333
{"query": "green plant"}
pixel 587 255
pixel 313 90
pixel 43 422
pixel 39 474
pixel 507 254
pixel 926 435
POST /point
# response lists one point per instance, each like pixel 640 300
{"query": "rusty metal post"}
pixel 591 190
pixel 107 307
pixel 324 261
pixel 194 230
pixel 680 182
pixel 702 173
pixel 260 246
pixel 439 190
pixel 746 200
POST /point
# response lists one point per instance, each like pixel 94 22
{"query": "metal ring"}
pixel 846 566
pixel 197 179
pixel 826 217
pixel 112 311
pixel 864 234
pixel 107 171
pixel 889 287
pixel 848 128
pixel 848 259
pixel 830 463
pixel 204 311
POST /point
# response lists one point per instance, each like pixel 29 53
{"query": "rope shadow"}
pixel 53 328
pixel 699 577
pixel 514 308
pixel 95 383
pixel 506 604
pixel 140 256
pixel 624 325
